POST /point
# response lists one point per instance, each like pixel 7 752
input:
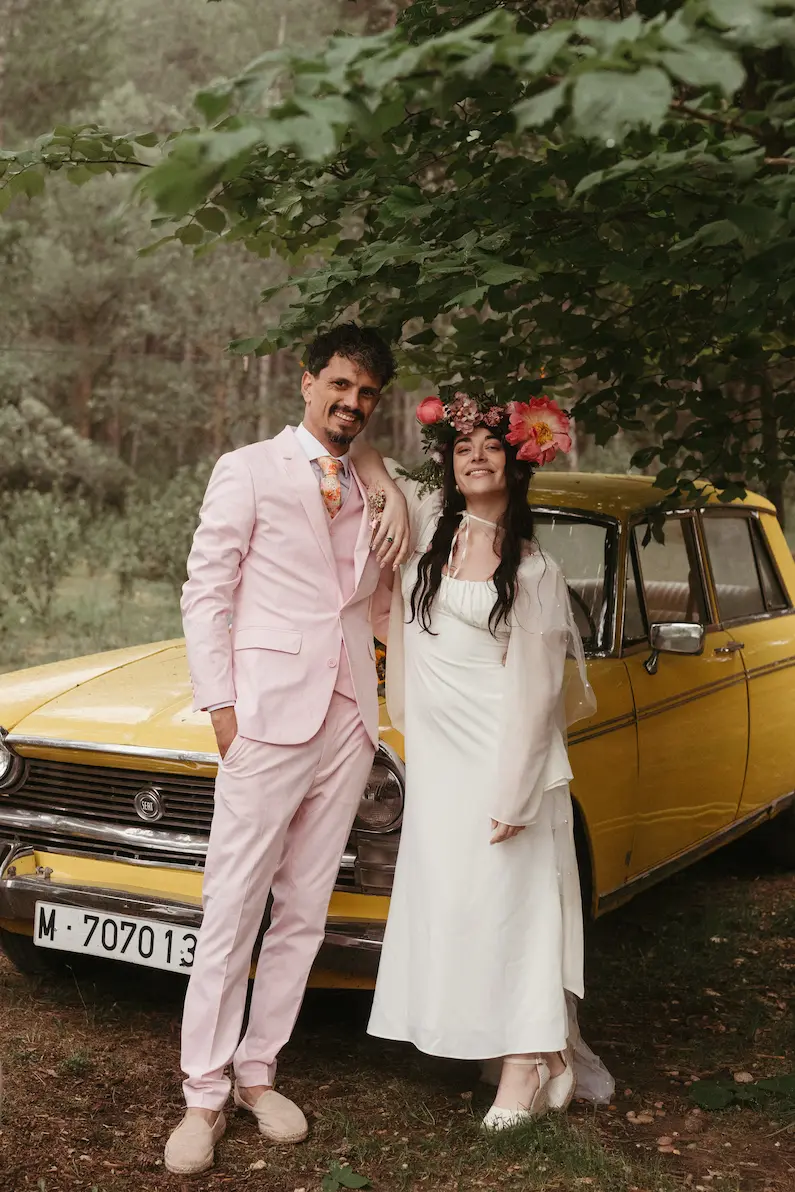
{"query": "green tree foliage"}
pixel 41 536
pixel 128 351
pixel 606 200
pixel 38 450
pixel 156 533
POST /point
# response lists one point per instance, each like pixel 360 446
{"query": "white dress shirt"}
pixel 313 450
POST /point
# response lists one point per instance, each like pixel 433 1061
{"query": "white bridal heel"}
pixel 560 1089
pixel 506 1119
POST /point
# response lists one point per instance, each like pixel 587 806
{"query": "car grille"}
pixel 104 795
pixel 107 794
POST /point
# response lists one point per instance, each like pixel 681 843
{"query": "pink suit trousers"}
pixel 283 814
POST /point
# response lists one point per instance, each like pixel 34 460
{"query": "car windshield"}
pixel 580 547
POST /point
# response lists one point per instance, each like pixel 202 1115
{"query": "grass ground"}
pixel 694 979
pixel 89 614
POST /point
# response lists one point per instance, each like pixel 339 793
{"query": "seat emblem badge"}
pixel 148 804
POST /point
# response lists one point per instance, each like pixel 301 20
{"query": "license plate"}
pixel 117 937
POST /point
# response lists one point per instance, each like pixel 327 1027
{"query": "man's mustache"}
pixel 340 409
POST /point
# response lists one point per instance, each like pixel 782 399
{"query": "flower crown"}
pixel 539 428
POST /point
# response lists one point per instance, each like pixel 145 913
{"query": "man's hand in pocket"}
pixel 225 727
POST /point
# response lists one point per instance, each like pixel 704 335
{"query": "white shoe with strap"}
pixel 560 1089
pixel 499 1118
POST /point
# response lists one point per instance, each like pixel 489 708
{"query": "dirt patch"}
pixel 693 980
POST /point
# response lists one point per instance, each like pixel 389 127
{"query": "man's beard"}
pixel 342 438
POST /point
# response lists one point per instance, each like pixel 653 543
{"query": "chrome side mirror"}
pixel 676 637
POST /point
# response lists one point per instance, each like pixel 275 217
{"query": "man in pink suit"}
pixel 280 648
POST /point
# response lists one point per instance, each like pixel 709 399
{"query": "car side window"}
pixel 772 589
pixel 582 548
pixel 738 579
pixel 634 625
pixel 670 577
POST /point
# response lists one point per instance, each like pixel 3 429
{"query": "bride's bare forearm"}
pixel 369 464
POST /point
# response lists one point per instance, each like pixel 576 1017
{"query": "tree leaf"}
pixel 710 1095
pixel 212 104
pixel 539 109
pixel 32 183
pixel 349 1179
pixel 607 104
pixel 211 218
pixel 778 1084
pixel 501 274
pixel 152 248
pixel 705 64
pixel 189 234
pixel 245 347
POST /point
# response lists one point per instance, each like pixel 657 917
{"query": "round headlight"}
pixel 6 761
pixel 382 802
pixel 10 765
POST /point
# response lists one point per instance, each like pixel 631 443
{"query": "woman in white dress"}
pixel 484 938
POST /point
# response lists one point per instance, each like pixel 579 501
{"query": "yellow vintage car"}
pixel 106 775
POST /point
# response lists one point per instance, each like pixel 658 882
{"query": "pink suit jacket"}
pixel 262 556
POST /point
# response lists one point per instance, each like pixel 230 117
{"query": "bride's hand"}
pixel 391 537
pixel 504 831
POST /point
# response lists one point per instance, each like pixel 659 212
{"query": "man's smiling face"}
pixel 339 402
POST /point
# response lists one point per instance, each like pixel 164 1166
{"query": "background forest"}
pixel 116 388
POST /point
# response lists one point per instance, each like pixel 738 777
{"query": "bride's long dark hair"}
pixel 516 524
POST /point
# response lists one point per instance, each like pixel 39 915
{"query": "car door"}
pixel 603 749
pixel 755 607
pixel 692 711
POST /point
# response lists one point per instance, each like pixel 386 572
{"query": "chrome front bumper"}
pixel 350 946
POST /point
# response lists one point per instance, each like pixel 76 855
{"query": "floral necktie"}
pixel 330 488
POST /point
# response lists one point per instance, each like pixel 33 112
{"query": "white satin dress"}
pixel 483 953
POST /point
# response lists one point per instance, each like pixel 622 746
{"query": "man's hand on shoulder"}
pixel 225 728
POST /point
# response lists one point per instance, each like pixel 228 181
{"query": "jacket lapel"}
pixel 300 472
pixel 362 550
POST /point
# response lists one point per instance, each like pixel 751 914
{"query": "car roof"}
pixel 616 496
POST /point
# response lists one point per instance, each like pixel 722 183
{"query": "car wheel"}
pixel 26 957
pixel 778 837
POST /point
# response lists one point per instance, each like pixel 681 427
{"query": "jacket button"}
pixel 332 661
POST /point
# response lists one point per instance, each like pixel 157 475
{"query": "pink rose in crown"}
pixel 430 411
pixel 539 428
pixel 463 413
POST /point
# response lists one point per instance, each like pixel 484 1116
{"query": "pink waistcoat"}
pixel 344 530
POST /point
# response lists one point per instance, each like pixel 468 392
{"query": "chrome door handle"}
pixel 730 648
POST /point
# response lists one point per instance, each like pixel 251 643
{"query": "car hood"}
pixel 135 697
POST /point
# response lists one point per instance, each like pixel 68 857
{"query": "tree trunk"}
pixel 83 382
pixel 219 416
pixel 266 367
pixel 378 14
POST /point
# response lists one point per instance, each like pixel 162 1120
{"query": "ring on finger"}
pixel 389 538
